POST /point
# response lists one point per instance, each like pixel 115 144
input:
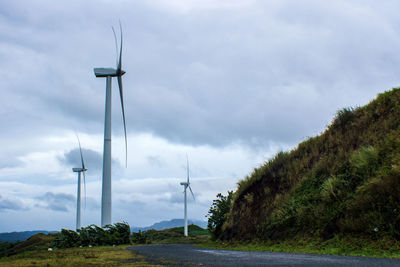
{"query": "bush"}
pixel 139 238
pixel 67 239
pixel 375 208
pixel 112 234
pixel 365 162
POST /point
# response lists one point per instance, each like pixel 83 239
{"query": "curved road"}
pixel 190 255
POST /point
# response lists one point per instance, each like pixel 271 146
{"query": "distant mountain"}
pixel 169 224
pixel 20 236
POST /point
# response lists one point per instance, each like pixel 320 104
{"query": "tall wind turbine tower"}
pixel 186 185
pixel 108 73
pixel 80 170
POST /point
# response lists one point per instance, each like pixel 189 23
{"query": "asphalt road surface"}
pixel 189 255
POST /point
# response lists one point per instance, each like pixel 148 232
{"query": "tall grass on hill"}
pixel 344 181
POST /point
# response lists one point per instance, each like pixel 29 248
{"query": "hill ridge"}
pixel 324 185
pixel 21 236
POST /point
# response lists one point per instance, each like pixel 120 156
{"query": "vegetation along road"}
pixel 190 255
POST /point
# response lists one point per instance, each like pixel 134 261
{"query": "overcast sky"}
pixel 230 83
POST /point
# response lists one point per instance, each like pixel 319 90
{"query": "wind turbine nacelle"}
pixel 185 184
pixel 105 72
pixel 78 169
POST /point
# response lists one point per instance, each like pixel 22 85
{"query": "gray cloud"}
pixel 265 73
pixel 55 202
pixel 8 204
pixel 10 162
pixel 255 77
pixel 93 160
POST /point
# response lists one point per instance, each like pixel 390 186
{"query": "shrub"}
pixel 365 161
pixel 344 117
pixel 67 239
pixel 375 207
pixel 217 215
pixel 332 188
pixel 112 234
pixel 139 238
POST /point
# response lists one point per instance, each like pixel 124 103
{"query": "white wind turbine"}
pixel 186 185
pixel 80 170
pixel 108 73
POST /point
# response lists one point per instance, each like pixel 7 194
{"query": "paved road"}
pixel 189 255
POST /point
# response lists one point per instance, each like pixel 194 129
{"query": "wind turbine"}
pixel 186 185
pixel 78 200
pixel 108 73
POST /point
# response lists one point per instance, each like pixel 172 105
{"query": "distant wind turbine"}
pixel 186 185
pixel 108 73
pixel 78 200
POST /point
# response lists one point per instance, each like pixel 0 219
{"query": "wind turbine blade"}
pixel 120 51
pixel 116 45
pixel 187 168
pixel 121 94
pixel 191 192
pixel 80 150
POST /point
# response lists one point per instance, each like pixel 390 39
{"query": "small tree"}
pixel 218 212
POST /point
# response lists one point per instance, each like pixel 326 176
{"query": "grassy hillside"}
pixel 20 236
pixel 36 242
pixel 344 181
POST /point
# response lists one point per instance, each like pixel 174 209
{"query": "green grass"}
pixel 95 256
pixel 344 245
pixel 34 252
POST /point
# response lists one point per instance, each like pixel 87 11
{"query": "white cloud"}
pixel 142 194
